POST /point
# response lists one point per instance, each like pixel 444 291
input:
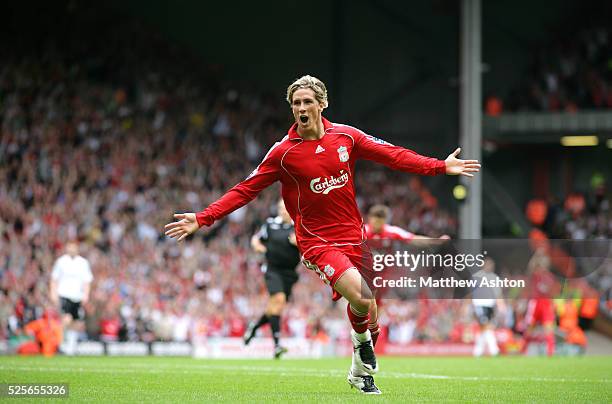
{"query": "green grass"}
pixel 151 379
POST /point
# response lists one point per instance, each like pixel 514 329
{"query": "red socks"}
pixel 374 332
pixel 358 320
pixel 374 329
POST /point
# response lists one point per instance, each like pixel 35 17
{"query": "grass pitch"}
pixel 154 379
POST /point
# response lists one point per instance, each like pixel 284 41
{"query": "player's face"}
pixel 72 249
pixel 376 223
pixel 306 109
pixel 489 265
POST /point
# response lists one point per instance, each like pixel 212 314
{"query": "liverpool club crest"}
pixel 343 154
pixel 329 270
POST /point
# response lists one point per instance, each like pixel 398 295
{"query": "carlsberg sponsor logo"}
pixel 323 186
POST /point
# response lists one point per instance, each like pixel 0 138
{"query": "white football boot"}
pixel 365 384
pixel 363 352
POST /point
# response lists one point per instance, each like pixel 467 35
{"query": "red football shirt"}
pixel 317 182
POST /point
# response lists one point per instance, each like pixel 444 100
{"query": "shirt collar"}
pixel 293 134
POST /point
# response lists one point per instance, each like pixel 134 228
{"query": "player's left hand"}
pixel 184 226
pixel 455 166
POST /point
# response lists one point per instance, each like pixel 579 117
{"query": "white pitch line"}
pixel 285 371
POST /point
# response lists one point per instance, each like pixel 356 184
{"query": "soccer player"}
pixel 47 332
pixel 70 284
pixel 540 309
pixel 315 163
pixel 276 239
pixel 485 300
pixel 378 227
pixel 380 235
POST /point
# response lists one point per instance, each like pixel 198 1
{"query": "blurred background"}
pixel 114 116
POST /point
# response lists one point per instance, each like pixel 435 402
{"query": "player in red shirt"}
pixel 541 308
pixel 315 163
pixel 380 236
pixel 377 228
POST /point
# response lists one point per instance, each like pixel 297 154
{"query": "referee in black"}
pixel 276 239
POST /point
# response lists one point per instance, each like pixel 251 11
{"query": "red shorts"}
pixel 330 263
pixel 540 311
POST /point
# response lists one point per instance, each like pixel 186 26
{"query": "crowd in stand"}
pixel 582 216
pixel 571 74
pixel 105 152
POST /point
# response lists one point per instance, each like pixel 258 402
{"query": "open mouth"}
pixel 303 119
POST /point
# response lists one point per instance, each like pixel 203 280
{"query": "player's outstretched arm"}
pixel 420 240
pixel 263 176
pixel 421 237
pixel 185 225
pixel 455 166
pixel 398 158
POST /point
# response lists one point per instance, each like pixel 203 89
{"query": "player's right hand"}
pixel 184 226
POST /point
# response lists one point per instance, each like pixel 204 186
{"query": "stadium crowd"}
pixel 102 151
pixel 581 216
pixel 574 73
pixel 103 135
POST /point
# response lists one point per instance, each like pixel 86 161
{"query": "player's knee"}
pixel 276 303
pixel 279 298
pixel 359 302
pixel 365 291
pixel 362 304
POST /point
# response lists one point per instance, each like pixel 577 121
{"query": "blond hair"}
pixel 312 83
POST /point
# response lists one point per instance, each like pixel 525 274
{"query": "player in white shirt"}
pixel 485 301
pixel 70 284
